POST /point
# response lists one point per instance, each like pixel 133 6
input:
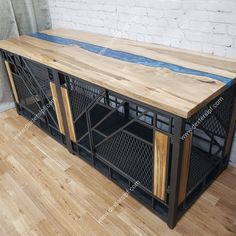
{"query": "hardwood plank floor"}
pixel 44 190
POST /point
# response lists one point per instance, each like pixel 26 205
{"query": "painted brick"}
pixel 232 29
pixel 198 15
pixel 222 17
pixel 210 22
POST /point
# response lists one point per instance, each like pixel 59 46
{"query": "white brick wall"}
pixel 202 25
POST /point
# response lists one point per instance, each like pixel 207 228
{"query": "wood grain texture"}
pixel 185 167
pixel 12 81
pixel 177 93
pixel 57 107
pixel 160 164
pixel 68 112
pixel 45 190
pixel 200 61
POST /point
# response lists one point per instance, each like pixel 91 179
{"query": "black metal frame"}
pixel 25 78
pixel 135 112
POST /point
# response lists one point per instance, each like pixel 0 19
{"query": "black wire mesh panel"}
pixel 131 156
pixel 200 165
pixel 30 116
pixel 81 95
pixel 31 101
pixel 22 91
pixel 215 117
pixel 33 88
pixel 21 68
pixel 39 79
pixel 41 74
pixel 209 127
pixel 52 118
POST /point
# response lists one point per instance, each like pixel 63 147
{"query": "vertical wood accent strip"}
pixel 230 131
pixel 160 164
pixel 185 167
pixel 69 116
pixel 12 81
pixel 57 107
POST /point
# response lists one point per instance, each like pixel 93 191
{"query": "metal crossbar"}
pixel 44 94
pixel 26 86
pixel 121 128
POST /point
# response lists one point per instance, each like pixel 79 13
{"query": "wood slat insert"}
pixel 57 107
pixel 160 164
pixel 185 167
pixel 12 81
pixel 68 112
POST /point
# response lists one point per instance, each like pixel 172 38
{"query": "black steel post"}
pixel 229 130
pixel 107 97
pixel 126 107
pixel 175 171
pixel 63 112
pixel 91 141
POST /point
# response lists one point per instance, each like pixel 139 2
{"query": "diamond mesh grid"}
pixel 25 96
pixel 131 156
pixel 81 95
pixel 41 74
pixel 22 90
pixel 217 122
pixel 33 87
pixel 29 84
pixel 200 164
pixel 42 88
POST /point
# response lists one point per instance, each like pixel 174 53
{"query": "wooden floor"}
pixel 44 190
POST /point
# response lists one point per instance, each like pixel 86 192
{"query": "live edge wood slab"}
pixel 177 81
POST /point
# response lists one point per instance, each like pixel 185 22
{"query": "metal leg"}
pixel 175 171
pixel 63 113
pixel 230 132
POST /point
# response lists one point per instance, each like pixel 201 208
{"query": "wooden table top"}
pixel 177 81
